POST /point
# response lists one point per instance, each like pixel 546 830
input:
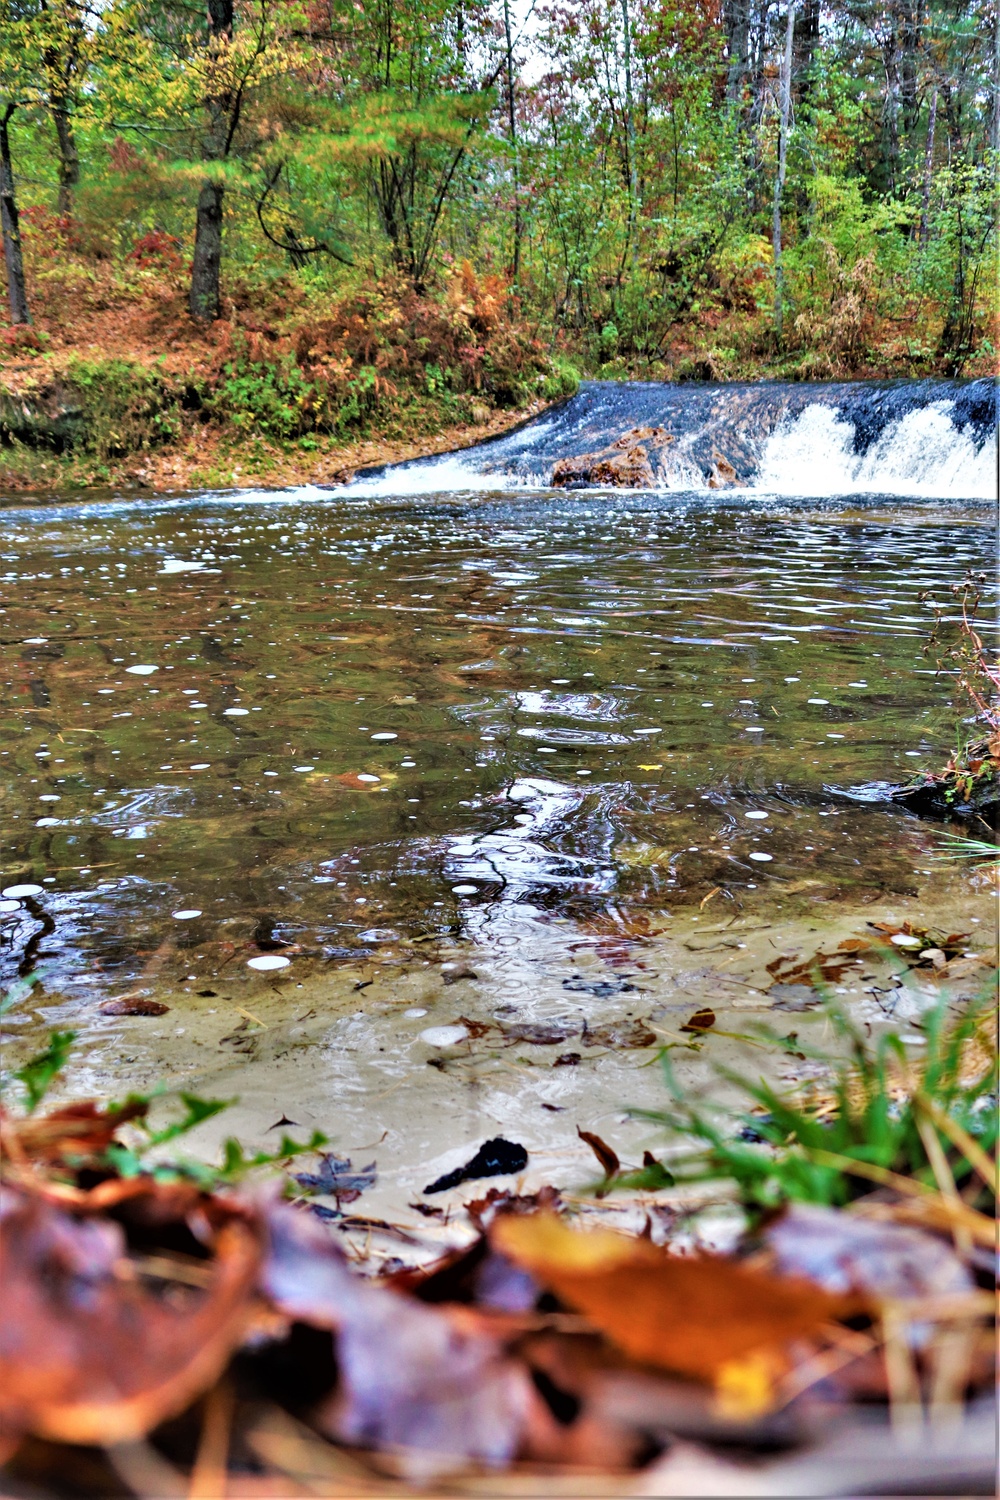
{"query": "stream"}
pixel 360 793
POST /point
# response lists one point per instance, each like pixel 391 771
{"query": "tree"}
pixel 196 96
pixel 20 61
pixel 68 33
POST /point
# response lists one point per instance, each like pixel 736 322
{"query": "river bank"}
pixel 115 385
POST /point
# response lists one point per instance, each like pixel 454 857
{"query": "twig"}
pixel 208 1477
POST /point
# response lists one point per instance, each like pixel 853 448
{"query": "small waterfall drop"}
pixel 920 453
pixel 933 439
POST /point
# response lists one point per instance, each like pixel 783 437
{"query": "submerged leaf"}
pixel 336 1176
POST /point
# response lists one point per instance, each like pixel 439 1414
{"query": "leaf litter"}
pixel 155 1312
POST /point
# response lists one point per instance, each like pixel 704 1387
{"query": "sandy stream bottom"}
pixel 340 1047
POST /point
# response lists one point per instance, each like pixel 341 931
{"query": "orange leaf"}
pixel 694 1315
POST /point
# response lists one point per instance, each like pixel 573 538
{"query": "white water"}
pixel 920 454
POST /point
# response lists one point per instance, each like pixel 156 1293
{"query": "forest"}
pixel 310 222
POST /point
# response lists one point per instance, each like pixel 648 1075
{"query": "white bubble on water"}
pixel 415 1011
pixel 202 765
pixel 9 906
pixel 465 890
pixel 18 892
pixel 822 701
pixel 186 914
pixel 235 713
pixel 387 735
pixel 444 1036
pixel 268 961
pixel 758 815
pixel 142 671
pixel 762 858
pixel 366 776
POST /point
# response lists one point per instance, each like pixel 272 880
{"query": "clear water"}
pixel 382 718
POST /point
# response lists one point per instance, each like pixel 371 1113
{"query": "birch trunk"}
pixel 779 181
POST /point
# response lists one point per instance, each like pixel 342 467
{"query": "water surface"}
pixel 537 735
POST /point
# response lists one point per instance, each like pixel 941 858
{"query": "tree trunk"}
pixel 10 226
pixel 736 16
pixel 515 262
pixel 632 165
pixel 807 42
pixel 779 181
pixel 205 300
pixel 928 172
pixel 69 159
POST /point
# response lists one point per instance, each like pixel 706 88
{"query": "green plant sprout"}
pixel 886 1117
pixel 133 1159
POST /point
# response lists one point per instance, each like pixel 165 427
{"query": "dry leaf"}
pixel 694 1315
pixel 702 1020
pixel 74 1131
pixel 607 1158
pixel 842 1253
pixel 100 1343
pixel 411 1376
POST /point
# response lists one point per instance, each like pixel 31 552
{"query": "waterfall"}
pixel 934 438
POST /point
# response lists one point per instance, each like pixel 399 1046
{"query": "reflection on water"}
pixel 308 721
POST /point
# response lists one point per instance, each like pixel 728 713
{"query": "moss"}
pixel 123 407
pixel 101 408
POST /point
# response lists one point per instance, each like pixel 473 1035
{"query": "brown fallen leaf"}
pixel 620 1034
pixel 133 1005
pixel 702 1020
pixel 100 1341
pixel 697 1315
pixel 75 1130
pixel 540 1033
pixel 610 1164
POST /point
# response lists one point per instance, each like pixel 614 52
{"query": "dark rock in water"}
pixel 930 798
pixel 134 1005
pixel 494 1158
pixel 624 464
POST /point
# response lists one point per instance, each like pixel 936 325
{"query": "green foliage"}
pixel 884 1109
pixel 39 1071
pixel 955 846
pixel 121 407
pixel 563 379
pixel 623 213
pixel 136 1158
pixel 143 1154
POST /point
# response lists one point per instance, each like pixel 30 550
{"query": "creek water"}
pixel 550 769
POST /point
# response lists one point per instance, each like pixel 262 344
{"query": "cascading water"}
pixel 931 438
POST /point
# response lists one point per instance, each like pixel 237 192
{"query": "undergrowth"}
pixel 279 369
pixel 884 1117
pixel 103 1153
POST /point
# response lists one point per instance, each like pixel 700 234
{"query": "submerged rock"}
pixel 624 464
